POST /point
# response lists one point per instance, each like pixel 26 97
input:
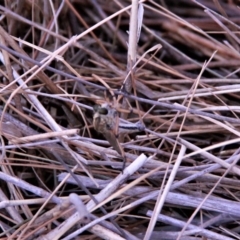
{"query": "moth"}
pixel 107 122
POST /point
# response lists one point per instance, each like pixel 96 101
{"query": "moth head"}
pixel 103 111
pixel 100 110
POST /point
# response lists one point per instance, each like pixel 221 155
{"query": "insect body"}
pixel 106 121
pixel 103 119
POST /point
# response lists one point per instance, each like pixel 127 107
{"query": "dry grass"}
pixel 182 176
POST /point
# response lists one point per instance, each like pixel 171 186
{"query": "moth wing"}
pixel 110 136
pixel 96 122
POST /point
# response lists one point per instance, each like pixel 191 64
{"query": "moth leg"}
pixel 120 151
pixel 117 135
pixel 124 163
pixel 123 88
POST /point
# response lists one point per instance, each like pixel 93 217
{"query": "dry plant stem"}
pixel 22 184
pixel 183 109
pixel 209 156
pixel 99 220
pixel 79 205
pixel 52 146
pixel 171 197
pixel 26 131
pixel 28 225
pixel 132 45
pixel 107 191
pixel 112 196
pixel 133 167
pixel 180 183
pixel 45 36
pixel 104 233
pixel 162 79
pixel 51 122
pixel 13 22
pixel 9 203
pixel 200 173
pixel 32 61
pixel 141 87
pixel 17 98
pixel 207 196
pixel 131 56
pixel 201 92
pixel 184 57
pixel 161 198
pixel 162 195
pixel 110 24
pixel 136 203
pixel 11 210
pixel 107 225
pixel 214 204
pixel 44 136
pixel 83 145
pixel 60 37
pixel 165 105
pixel 15 193
pixel 42 76
pixel 179 223
pixel 42 111
pixel 55 22
pixel 211 46
pixel 230 129
pixel 94 36
pixel 81 185
pixel 210 41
